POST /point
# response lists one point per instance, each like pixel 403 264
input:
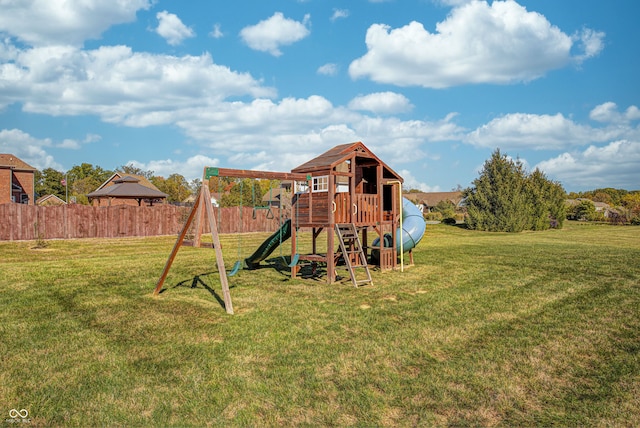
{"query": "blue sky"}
pixel 432 87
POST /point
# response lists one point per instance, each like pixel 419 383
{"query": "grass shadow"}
pixel 197 282
pixel 307 270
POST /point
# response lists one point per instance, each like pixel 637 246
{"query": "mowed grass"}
pixel 486 329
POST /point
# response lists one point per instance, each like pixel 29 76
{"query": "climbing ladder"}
pixel 352 252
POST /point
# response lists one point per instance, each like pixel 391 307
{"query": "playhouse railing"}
pixel 362 211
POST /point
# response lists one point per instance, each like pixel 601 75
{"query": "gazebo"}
pixel 126 191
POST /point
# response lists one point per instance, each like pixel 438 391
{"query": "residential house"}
pixel 600 207
pixel 426 201
pixel 17 180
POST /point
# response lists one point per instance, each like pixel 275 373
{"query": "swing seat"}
pixel 235 269
pixel 294 260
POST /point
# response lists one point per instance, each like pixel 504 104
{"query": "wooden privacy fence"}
pixel 29 222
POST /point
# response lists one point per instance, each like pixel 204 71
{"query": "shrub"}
pixel 434 216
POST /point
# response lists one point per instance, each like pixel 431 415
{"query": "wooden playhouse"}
pixel 354 197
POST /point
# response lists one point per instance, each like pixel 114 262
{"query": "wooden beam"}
pixel 176 247
pixel 248 173
pixel 226 296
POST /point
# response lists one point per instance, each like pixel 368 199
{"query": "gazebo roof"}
pixel 128 188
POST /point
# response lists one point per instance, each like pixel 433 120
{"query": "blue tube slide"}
pixel 413 225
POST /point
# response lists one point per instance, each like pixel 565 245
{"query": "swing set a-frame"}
pixel 202 212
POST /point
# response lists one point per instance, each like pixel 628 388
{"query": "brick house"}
pixel 17 180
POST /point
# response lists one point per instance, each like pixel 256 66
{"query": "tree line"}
pixel 85 178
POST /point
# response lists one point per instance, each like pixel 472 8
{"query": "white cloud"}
pixel 591 43
pixel 216 33
pixel 272 33
pixel 294 130
pixel 171 28
pixel 92 138
pixel 339 14
pixel 382 103
pixel 136 89
pixel 69 143
pixel 532 131
pixel 72 144
pixel 28 148
pixel 608 113
pixel 410 182
pixel 191 93
pixel 499 43
pixel 190 169
pixel 329 69
pixel 49 22
pixel 613 165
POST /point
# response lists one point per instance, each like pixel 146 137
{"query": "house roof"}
pixel 338 154
pixel 10 161
pixel 432 199
pixel 127 187
pixel 273 195
pixel 50 199
pixel 598 205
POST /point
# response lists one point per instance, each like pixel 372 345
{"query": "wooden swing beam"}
pixel 250 173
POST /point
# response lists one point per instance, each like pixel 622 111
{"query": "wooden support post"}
pixel 197 236
pixel 201 205
pixel 176 246
pixel 331 262
pixel 314 246
pixel 226 296
pixel 331 230
pixel 294 245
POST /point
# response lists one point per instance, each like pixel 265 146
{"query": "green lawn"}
pixel 486 329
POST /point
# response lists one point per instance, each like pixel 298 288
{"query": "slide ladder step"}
pixel 351 246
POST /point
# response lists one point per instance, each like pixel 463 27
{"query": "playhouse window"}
pixel 320 184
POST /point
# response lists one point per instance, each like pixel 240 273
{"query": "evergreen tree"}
pixel 498 202
pixel 504 198
pixel 547 201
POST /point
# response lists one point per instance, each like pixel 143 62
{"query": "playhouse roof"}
pixel 335 156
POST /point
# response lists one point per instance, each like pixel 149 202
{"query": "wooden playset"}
pixel 346 194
